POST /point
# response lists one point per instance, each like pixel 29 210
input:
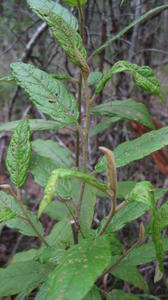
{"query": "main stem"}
pixel 85 148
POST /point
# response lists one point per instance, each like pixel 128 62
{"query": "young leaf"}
pixel 143 77
pixel 48 94
pixel 35 125
pixel 142 192
pixel 127 109
pixel 75 2
pixel 42 7
pixel 137 149
pixel 80 267
pixel 66 35
pixel 22 275
pixel 64 173
pixel 18 154
pixel 120 295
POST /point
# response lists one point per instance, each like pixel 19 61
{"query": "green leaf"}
pixel 143 254
pixel 57 211
pixel 88 204
pixel 126 214
pixel 64 173
pixel 41 168
pixel 131 275
pixel 35 125
pixel 42 7
pixel 142 192
pixel 144 17
pixel 137 148
pixel 61 234
pixel 80 267
pixel 75 2
pixel 52 150
pixel 8 207
pixel 103 125
pixel 49 95
pixel 143 77
pixel 93 294
pixel 94 78
pixel 18 155
pixel 127 109
pixel 23 226
pixel 65 33
pixel 42 293
pixel 22 275
pixel 120 295
pixel 17 220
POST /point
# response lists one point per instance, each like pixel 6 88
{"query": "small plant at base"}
pixel 74 256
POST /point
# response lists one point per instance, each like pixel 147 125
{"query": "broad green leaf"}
pixel 41 169
pixel 7 211
pixel 103 125
pixel 18 154
pixel 94 78
pixel 143 77
pixel 42 293
pixel 142 18
pixel 142 192
pixel 52 150
pixel 143 254
pixel 75 2
pixel 35 125
pixel 61 234
pixel 18 221
pixel 93 294
pixel 80 267
pixel 48 94
pixel 131 275
pixel 137 148
pixel 126 214
pixel 88 204
pixel 127 109
pixel 20 276
pixel 66 35
pixel 24 256
pixel 120 295
pixel 57 210
pixel 64 173
pixel 23 226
